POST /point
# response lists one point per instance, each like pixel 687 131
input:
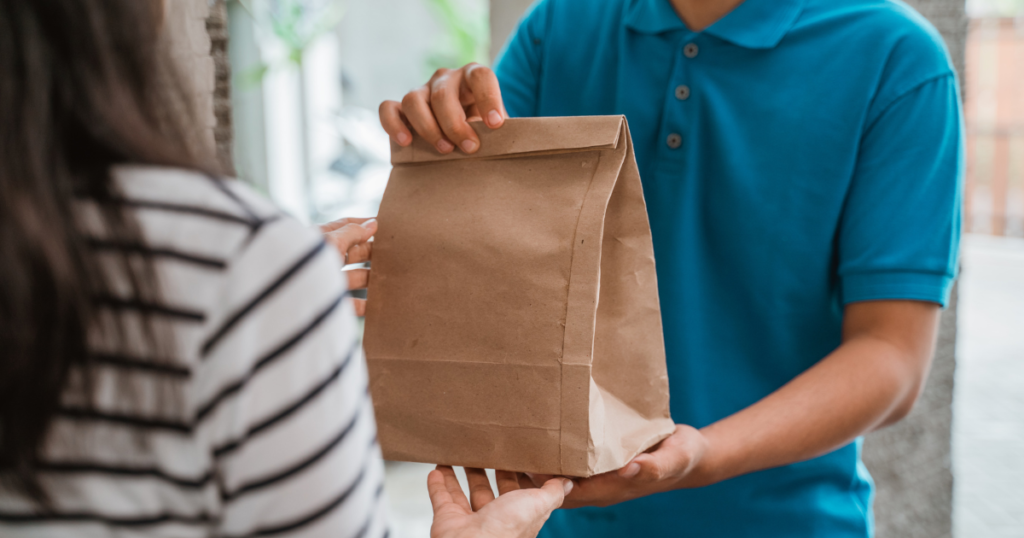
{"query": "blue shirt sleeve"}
pixel 518 67
pixel 900 231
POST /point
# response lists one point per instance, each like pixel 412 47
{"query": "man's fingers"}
pixel 645 468
pixel 670 458
pixel 480 492
pixel 525 482
pixel 358 278
pixel 506 481
pixel 486 94
pixel 444 100
pixel 391 119
pixel 439 495
pixel 416 106
pixel 538 479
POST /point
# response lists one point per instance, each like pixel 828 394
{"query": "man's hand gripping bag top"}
pixel 513 319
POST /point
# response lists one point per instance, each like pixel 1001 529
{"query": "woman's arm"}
pixel 282 395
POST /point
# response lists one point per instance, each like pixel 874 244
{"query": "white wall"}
pixel 384 49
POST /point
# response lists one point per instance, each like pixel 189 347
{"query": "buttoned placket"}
pixel 677 109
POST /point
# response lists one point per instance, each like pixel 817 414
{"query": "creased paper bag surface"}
pixel 513 319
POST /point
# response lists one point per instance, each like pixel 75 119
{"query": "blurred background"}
pixel 297 85
pixel 307 78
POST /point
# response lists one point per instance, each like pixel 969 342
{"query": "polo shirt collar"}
pixel 754 24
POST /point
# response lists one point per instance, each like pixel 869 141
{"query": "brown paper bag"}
pixel 513 318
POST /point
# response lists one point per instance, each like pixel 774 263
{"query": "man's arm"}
pixel 868 382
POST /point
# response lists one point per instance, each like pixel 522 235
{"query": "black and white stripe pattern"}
pixel 272 433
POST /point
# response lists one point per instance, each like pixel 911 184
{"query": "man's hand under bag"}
pixel 869 382
pixel 671 464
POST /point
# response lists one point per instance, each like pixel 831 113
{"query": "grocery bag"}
pixel 512 318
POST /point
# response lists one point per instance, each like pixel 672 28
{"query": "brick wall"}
pixel 994 193
pixel 217 27
pixel 196 30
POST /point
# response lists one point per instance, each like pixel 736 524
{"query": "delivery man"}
pixel 801 162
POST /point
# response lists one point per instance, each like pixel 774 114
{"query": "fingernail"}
pixel 493 118
pixel 468 146
pixel 631 470
pixel 567 486
pixel 403 139
pixel 444 146
pixel 369 223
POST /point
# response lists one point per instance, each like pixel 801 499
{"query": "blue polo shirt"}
pixel 796 156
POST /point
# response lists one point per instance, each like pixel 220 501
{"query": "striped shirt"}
pixel 269 430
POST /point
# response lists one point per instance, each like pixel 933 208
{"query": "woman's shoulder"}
pixel 206 194
pixel 201 213
pixel 223 250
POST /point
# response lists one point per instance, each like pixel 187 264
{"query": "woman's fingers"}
pixel 351 240
pixel 335 224
pixel 359 253
pixel 449 112
pixel 358 278
pixel 451 482
pixel 483 84
pixel 555 491
pixel 360 307
pixel 416 107
pixel 439 495
pixel 391 119
pixel 480 492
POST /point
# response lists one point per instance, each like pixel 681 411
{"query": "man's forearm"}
pixel 871 380
pixel 866 383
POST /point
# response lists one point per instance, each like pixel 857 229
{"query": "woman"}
pixel 178 357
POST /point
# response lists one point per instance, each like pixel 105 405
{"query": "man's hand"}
pixel 440 109
pixel 870 381
pixel 516 513
pixel 351 237
pixel 677 462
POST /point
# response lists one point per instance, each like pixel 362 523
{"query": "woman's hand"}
pixel 351 237
pixel 516 513
pixel 440 109
pixel 680 461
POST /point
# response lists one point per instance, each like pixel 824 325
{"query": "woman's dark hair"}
pixel 84 85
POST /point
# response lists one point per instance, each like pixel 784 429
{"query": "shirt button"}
pixel 674 141
pixel 691 50
pixel 682 92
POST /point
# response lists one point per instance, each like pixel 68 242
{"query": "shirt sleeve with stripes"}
pixel 283 384
pixel 259 424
